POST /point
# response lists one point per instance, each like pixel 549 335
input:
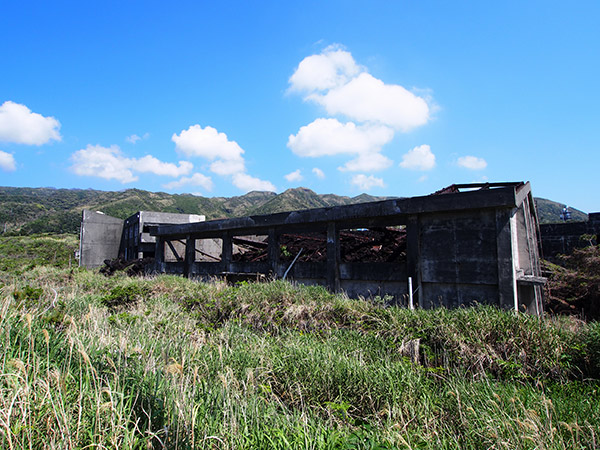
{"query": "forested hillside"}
pixel 27 211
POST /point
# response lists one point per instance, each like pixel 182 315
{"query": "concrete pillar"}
pixel 190 256
pixel 159 254
pixel 507 283
pixel 413 256
pixel 273 249
pixel 226 251
pixel 333 257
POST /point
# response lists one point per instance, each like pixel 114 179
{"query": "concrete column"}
pixel 226 251
pixel 507 283
pixel 333 257
pixel 273 249
pixel 159 254
pixel 413 256
pixel 190 256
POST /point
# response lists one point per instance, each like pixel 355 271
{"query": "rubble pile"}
pixel 372 245
pixel 134 267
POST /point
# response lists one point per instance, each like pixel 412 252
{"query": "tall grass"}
pixel 165 362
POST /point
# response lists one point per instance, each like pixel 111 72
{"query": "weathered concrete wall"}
pixel 138 243
pixel 100 238
pixel 458 258
pixel 563 238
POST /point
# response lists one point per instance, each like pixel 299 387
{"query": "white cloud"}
pixel 419 158
pixel 111 164
pixel 366 182
pixel 21 126
pixel 7 162
pixel 318 173
pixel 196 179
pixel 228 167
pixel 472 162
pixel 294 176
pixel 226 155
pixel 152 165
pixel 248 183
pixel 368 99
pixel 207 143
pixel 332 68
pixel 134 138
pixel 326 137
pixel 367 162
pixel 334 80
pixel 376 110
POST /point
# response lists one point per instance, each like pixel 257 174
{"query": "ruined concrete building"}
pixel 104 237
pixel 475 243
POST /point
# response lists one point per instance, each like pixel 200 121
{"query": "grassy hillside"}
pixel 549 211
pixel 166 362
pixel 45 210
pixel 19 254
pixel 30 211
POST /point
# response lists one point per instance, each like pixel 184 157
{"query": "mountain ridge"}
pixel 26 210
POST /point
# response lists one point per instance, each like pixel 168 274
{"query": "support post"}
pixel 413 256
pixel 273 250
pixel 411 304
pixel 333 257
pixel 226 251
pixel 190 256
pixel 507 283
pixel 159 255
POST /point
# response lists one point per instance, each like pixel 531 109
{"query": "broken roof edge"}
pixel 502 195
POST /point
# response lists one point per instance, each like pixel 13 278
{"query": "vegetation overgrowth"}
pixel 166 362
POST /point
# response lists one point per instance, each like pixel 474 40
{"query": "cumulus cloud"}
pixel 368 162
pixel 226 155
pixel 19 125
pixel 419 158
pixel 152 165
pixel 472 162
pixel 196 179
pixel 334 67
pixel 7 162
pixel 135 138
pixel 248 183
pixel 368 99
pixel 318 173
pixel 376 110
pixel 111 164
pixel 207 143
pixel 334 80
pixel 327 137
pixel 294 176
pixel 365 182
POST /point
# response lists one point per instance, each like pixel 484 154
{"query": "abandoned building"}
pixel 475 243
pixel 104 237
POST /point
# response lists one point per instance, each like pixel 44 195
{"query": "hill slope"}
pixel 47 210
pixel 549 211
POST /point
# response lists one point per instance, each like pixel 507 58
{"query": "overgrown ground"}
pixel 166 362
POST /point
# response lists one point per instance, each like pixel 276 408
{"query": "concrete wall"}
pixel 563 238
pixel 100 238
pixel 458 258
pixel 138 243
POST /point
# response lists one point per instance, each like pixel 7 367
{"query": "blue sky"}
pixel 219 98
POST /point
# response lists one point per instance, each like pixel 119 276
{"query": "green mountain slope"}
pixel 549 211
pixel 47 210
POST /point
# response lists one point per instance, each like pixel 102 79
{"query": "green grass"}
pixel 22 253
pixel 165 362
